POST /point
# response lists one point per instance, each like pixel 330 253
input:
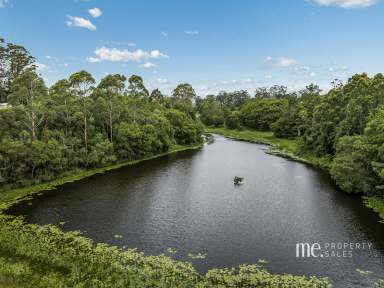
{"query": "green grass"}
pixel 256 137
pixel 377 204
pixel 287 148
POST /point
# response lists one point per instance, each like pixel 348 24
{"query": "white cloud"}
pixel 338 68
pixel 131 44
pixel 3 3
pixel 116 55
pixel 65 65
pixel 148 65
pixel 93 60
pixel 286 62
pixel 268 76
pixel 95 12
pixel 162 80
pixel 191 32
pixel 80 22
pixel 281 62
pixel 268 59
pixel 312 74
pixel 347 3
pixel 164 34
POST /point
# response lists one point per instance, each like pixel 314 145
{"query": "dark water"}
pixel 188 202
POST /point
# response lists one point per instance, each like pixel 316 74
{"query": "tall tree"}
pixel 81 84
pixel 14 60
pixel 63 103
pixel 136 87
pixel 156 95
pixel 111 85
pixel 184 92
pixel 28 93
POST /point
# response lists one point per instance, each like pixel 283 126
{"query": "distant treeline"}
pixel 345 125
pixel 78 124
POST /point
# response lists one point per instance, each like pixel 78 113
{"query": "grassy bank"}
pixel 11 197
pixel 45 256
pixel 288 148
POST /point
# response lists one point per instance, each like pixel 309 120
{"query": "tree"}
pixel 111 85
pixel 212 113
pixel 261 113
pixel 262 93
pixel 14 60
pixel 184 93
pixel 233 120
pixel 28 94
pixel 81 84
pixel 63 105
pixel 232 100
pixel 136 87
pixel 351 168
pixel 186 130
pixel 156 95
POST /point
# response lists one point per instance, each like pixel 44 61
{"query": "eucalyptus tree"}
pixel 111 86
pixel 28 95
pixel 183 96
pixel 184 92
pixel 14 60
pixel 136 87
pixel 63 105
pixel 81 83
pixel 156 95
pixel 138 91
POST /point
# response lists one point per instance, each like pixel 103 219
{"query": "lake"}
pixel 187 201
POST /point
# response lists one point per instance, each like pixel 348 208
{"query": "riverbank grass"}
pixel 13 196
pixel 288 148
pixel 255 136
pixel 377 204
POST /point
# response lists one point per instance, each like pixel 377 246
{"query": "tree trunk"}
pixel 85 129
pixel 110 120
pixel 33 125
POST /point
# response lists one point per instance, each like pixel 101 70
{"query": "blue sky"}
pixel 214 45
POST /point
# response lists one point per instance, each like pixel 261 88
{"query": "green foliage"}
pixel 260 114
pixel 156 95
pixel 232 100
pixel 44 256
pixel 351 168
pixel 211 113
pixel 185 129
pixel 233 120
pixel 50 133
pixel 136 87
pixel 14 60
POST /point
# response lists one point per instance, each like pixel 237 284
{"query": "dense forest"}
pixel 344 125
pixel 47 132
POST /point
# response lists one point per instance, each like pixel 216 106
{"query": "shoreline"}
pixel 11 197
pixel 286 148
